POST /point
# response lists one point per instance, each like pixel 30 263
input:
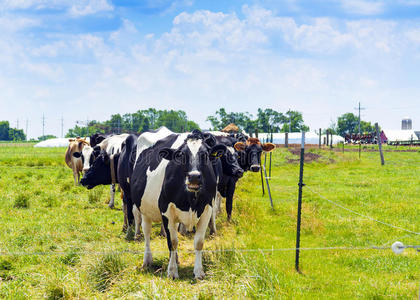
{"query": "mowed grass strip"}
pixel 42 211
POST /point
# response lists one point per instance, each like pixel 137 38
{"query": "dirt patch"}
pixel 308 157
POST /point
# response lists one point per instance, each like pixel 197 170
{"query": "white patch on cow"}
pixel 194 146
pixel 86 153
pixel 188 218
pixel 149 139
pixel 113 144
pixel 219 133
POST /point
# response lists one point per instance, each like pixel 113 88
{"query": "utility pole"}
pixel 360 139
pixel 62 125
pixel 43 125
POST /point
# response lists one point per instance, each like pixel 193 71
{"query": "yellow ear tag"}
pixel 216 154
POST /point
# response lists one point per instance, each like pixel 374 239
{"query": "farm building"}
pixel 401 135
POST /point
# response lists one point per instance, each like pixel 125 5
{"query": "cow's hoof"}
pixel 173 274
pixel 199 274
pixel 147 261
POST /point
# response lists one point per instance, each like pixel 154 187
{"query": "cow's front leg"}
pixel 172 239
pixel 112 193
pixel 212 224
pixel 76 176
pixel 199 241
pixel 137 221
pixel 146 224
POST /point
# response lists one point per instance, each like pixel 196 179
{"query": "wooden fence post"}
pixel 319 138
pixel 379 144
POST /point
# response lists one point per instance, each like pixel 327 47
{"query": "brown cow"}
pixel 76 164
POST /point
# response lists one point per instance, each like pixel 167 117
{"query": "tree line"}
pixel 266 120
pixel 140 121
pixel 8 133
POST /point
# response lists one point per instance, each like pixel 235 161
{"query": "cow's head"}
pixel 194 158
pixel 250 153
pixel 230 164
pixel 88 156
pixel 99 172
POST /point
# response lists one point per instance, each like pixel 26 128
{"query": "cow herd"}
pixel 174 179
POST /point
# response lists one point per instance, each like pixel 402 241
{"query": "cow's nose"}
pixel 239 173
pixel 255 168
pixel 194 178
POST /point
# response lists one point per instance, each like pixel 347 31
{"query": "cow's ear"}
pixel 209 139
pixel 77 154
pixel 218 151
pixel 268 147
pixel 167 153
pixel 239 146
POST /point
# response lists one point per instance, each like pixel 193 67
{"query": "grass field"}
pixel 81 242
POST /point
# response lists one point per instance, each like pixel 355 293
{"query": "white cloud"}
pixel 363 7
pixel 209 60
pixel 82 8
pixel 74 7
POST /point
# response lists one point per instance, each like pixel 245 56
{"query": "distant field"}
pixel 80 242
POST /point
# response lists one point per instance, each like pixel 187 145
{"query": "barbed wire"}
pixel 359 214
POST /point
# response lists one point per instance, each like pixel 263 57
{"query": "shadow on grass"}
pixel 160 266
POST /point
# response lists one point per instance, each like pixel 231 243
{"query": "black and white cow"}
pixel 97 138
pixel 248 152
pixel 174 182
pixel 111 145
pixel 115 169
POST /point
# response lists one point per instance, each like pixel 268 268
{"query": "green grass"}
pixel 42 211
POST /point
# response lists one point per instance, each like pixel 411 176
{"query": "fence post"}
pixel 286 139
pixel 269 170
pixel 319 138
pixel 379 144
pixel 302 161
pixel 268 185
pixel 328 136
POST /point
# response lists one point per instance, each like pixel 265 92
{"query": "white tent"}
pixel 400 135
pixel 64 142
pixel 296 138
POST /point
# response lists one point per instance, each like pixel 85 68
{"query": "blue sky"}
pixel 90 59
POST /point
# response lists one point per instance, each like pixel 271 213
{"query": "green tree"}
pixel 269 120
pixel 349 123
pixel 296 120
pixel 4 131
pixel 221 119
